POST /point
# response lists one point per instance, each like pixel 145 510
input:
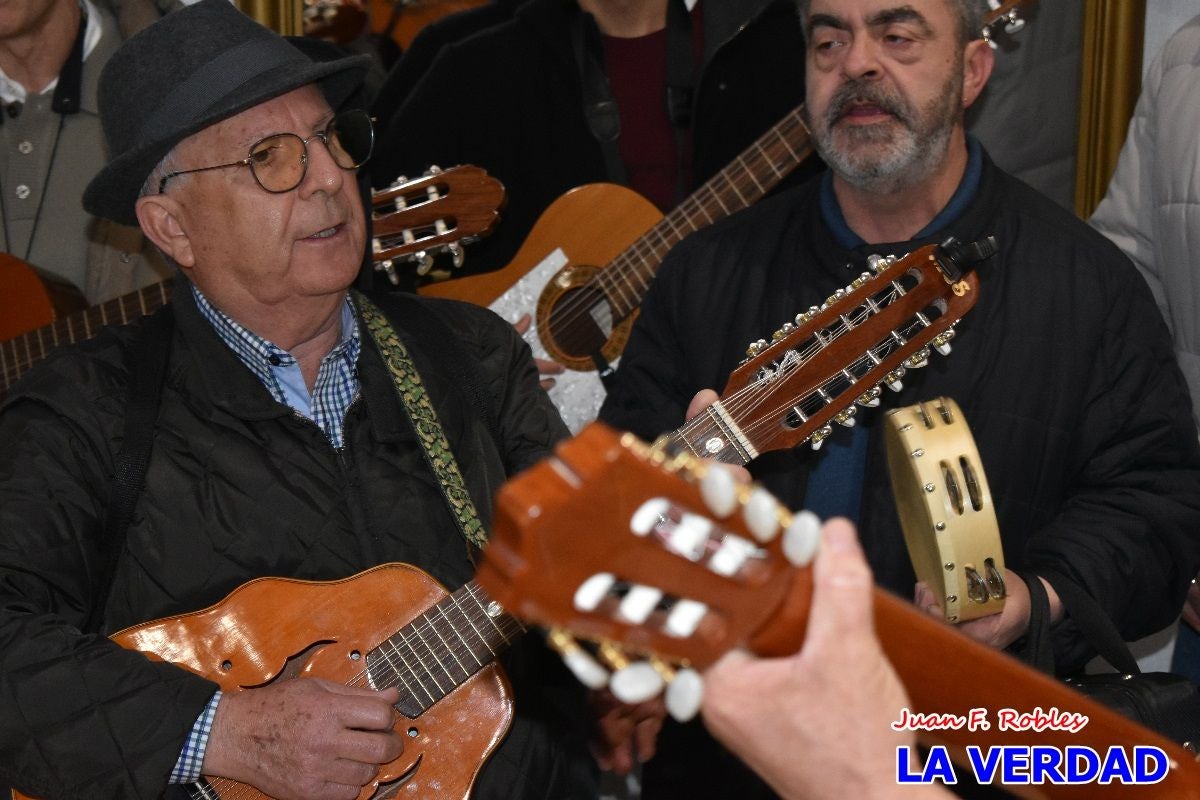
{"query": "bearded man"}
pixel 1063 369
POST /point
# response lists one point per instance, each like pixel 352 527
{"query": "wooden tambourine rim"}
pixel 944 537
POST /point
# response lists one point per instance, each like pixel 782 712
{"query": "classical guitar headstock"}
pixel 1006 13
pixel 661 564
pixel 437 212
pixel 814 370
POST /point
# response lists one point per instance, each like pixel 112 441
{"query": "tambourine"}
pixel 946 508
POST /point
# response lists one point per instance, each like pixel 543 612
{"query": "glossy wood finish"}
pixel 275 628
pixel 537 559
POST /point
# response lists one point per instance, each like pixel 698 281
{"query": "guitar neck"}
pixel 756 170
pixel 440 649
pixel 19 354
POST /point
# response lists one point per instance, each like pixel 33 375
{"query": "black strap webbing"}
pixel 148 371
pixel 599 107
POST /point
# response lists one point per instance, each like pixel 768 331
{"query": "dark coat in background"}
pixel 509 99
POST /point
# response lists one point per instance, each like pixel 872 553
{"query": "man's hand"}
pixel 818 724
pixel 307 738
pixel 624 732
pixel 545 366
pixel 997 630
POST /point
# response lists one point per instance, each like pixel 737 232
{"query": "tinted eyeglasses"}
pixel 280 161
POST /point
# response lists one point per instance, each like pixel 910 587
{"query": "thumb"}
pixel 842 598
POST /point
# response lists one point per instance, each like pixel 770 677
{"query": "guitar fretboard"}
pixel 19 354
pixel 757 170
pixel 440 649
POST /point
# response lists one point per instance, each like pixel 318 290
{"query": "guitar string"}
pixel 577 307
pixel 508 627
pixel 64 329
pixel 747 399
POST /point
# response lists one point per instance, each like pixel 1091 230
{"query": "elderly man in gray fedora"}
pixel 268 422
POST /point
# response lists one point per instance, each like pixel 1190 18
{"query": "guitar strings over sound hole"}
pixel 580 322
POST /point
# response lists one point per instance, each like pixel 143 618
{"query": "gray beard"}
pixel 906 162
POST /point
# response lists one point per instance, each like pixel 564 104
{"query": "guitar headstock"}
pixel 437 212
pixel 815 369
pixel 1006 13
pixel 614 543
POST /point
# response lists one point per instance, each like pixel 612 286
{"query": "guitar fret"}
pixel 449 649
pixel 411 672
pixel 489 617
pixel 478 634
pixel 433 655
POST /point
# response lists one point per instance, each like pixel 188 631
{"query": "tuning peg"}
pixel 941 342
pixel 593 590
pixel 730 556
pixel 783 332
pixel 636 683
pixel 801 537
pixel 649 515
pixel 684 618
pixel 761 513
pixel 820 435
pixel 845 417
pixel 869 398
pixel 457 256
pixel 424 262
pixel 586 669
pixel 892 379
pixel 638 603
pixel 684 694
pixel 1015 23
pixel 756 347
pixel 689 538
pixel 719 491
pixel 918 359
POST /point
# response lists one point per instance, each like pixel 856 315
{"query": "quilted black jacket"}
pixel 239 487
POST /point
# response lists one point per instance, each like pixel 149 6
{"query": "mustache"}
pixel 859 92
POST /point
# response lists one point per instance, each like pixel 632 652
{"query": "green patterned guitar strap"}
pixel 424 420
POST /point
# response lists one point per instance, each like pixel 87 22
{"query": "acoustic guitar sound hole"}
pixel 581 322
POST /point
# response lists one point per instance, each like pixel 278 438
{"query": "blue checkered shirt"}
pixel 335 389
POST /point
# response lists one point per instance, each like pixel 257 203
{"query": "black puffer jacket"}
pixel 239 487
pixel 509 99
pixel 1064 371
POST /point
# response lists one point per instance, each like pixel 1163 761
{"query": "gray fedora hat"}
pixel 191 69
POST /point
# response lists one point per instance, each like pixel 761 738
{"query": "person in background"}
pixel 51 143
pixel 1063 367
pixel 1152 212
pixel 570 93
pixel 302 432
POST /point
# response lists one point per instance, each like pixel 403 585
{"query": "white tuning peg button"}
pixel 761 513
pixel 690 537
pixel 943 348
pixel 648 515
pixel 719 490
pixel 636 683
pixel 593 590
pixel 586 669
pixel 801 538
pixel 730 556
pixel 685 618
pixel 1014 25
pixel 638 603
pixel 895 385
pixel 684 694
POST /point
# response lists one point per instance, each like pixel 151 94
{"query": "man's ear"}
pixel 978 61
pixel 159 217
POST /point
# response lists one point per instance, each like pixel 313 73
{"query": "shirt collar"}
pixel 13 92
pixel 259 354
